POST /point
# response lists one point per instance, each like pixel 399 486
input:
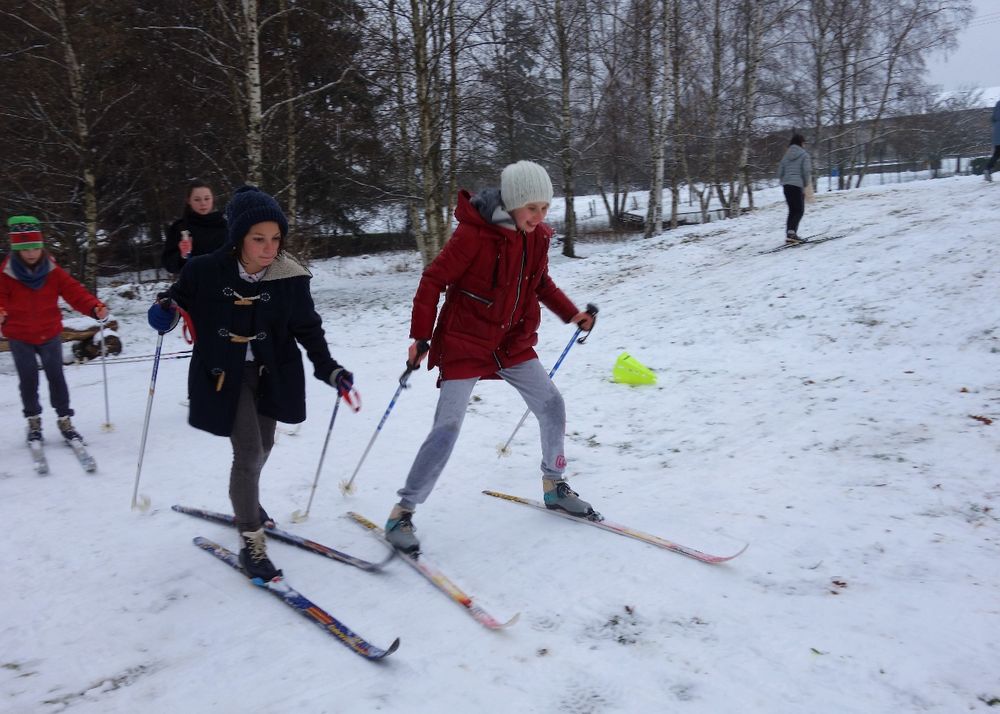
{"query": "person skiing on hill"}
pixel 794 172
pixel 31 284
pixel 494 273
pixel 199 231
pixel 250 303
pixel 988 171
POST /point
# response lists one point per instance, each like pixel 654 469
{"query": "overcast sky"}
pixel 975 62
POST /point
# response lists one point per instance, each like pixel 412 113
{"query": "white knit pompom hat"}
pixel 524 182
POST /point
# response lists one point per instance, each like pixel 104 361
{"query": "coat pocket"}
pixel 478 298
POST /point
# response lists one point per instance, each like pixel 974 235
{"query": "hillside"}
pixel 818 403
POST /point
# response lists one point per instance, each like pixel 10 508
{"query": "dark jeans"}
pixel 993 159
pixel 25 360
pixel 252 439
pixel 796 200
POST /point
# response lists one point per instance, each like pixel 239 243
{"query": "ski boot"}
pixel 253 558
pixel 988 175
pixel 34 429
pixel 792 238
pixel 66 429
pixel 399 531
pixel 560 497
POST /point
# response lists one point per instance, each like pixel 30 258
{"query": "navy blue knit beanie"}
pixel 250 205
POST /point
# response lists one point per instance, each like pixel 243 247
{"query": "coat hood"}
pixel 486 209
pixel 794 151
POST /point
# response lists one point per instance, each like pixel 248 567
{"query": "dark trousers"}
pixel 796 200
pixel 26 362
pixel 252 440
pixel 993 159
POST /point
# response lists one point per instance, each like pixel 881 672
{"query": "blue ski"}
pixel 292 539
pixel 294 599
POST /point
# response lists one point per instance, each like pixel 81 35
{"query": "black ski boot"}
pixel 253 557
pixel 69 433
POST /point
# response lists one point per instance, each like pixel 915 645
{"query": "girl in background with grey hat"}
pixel 494 273
pixel 30 287
pixel 250 304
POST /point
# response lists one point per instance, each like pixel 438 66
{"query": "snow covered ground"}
pixel 827 405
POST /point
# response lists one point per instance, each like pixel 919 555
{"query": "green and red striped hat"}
pixel 25 233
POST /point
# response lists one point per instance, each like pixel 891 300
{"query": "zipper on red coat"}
pixel 520 277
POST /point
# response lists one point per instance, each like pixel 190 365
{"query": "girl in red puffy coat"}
pixel 494 273
pixel 30 287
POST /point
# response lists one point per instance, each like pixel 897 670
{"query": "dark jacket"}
pixel 493 277
pixel 996 124
pixel 277 312
pixel 208 234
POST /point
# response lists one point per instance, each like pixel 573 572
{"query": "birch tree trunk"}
pixel 84 150
pixel 562 30
pixel 291 193
pixel 654 88
pixel 455 112
pixel 753 42
pixel 679 163
pixel 714 101
pixel 251 68
pixel 433 237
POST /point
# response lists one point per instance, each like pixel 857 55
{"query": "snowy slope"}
pixel 816 403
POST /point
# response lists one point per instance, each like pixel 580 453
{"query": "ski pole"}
pixel 300 516
pixel 142 502
pixel 591 309
pixel 107 425
pixel 347 487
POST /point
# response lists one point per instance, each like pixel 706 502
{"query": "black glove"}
pixel 342 380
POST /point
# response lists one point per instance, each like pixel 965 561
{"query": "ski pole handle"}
pixel 422 347
pixel 591 310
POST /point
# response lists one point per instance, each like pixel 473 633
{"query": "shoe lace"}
pixel 564 491
pixel 404 523
pixel 256 543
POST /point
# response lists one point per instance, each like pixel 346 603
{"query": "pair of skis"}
pixel 41 464
pixel 809 240
pixel 291 597
pixel 430 572
pixel 445 585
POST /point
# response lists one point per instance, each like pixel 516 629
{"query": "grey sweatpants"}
pixel 252 440
pixel 543 399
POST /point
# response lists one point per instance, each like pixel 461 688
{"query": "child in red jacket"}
pixel 494 272
pixel 30 287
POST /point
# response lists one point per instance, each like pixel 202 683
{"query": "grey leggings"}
pixel 532 381
pixel 252 440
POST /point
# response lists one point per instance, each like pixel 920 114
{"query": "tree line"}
pixel 344 109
